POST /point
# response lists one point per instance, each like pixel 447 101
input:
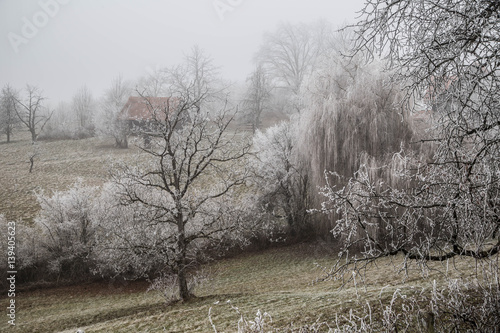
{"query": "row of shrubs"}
pixel 76 236
pixel 69 242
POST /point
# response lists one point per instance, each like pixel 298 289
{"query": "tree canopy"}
pixel 445 203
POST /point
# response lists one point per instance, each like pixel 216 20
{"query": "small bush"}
pixel 260 324
pixel 63 133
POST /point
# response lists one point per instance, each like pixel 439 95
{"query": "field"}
pixel 58 164
pixel 279 281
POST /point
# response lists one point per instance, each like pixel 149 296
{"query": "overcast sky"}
pixel 61 45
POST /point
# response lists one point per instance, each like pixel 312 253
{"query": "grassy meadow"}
pixel 279 281
pixel 57 165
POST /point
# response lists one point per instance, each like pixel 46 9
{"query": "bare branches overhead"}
pixel 290 53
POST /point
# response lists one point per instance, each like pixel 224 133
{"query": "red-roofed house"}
pixel 140 110
pixel 144 114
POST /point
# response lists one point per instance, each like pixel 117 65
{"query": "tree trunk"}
pixel 32 162
pixel 291 224
pixel 184 293
pixel 121 137
pixel 121 141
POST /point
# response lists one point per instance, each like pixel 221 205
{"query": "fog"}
pixel 60 45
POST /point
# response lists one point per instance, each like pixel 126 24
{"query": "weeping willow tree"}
pixel 445 53
pixel 354 117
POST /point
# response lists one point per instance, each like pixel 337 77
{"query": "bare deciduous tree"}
pixel 205 83
pixel 113 101
pixel 290 53
pixel 31 111
pixel 83 106
pixel 154 83
pixel 8 117
pixel 257 96
pixel 183 191
pixel 205 79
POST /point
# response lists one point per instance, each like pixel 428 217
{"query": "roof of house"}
pixel 146 108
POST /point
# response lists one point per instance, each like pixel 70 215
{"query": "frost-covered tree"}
pixel 111 104
pixel 154 83
pixel 200 76
pixel 8 117
pixel 68 221
pixel 257 97
pixel 290 53
pixel 84 109
pixel 446 55
pixel 62 124
pixel 284 182
pixel 205 83
pixel 353 115
pixel 186 188
pixel 32 112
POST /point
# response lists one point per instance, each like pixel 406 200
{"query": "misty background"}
pixel 91 42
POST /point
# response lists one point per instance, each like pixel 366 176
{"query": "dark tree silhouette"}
pixel 31 111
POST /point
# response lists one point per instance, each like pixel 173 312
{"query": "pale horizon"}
pixel 61 45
